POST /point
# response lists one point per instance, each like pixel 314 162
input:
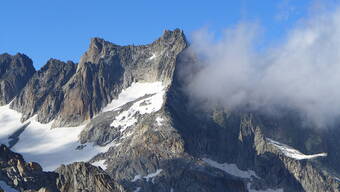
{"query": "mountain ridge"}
pixel 125 109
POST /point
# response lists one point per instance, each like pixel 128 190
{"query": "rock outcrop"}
pixel 85 177
pixel 24 176
pixel 15 71
pixel 29 177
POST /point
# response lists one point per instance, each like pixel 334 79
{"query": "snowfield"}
pixel 153 94
pixel 293 153
pixel 135 91
pixel 49 147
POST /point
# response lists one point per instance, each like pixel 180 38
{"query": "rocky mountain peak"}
pixel 15 71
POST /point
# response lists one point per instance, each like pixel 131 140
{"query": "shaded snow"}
pixel 137 189
pixel 39 143
pixel 100 163
pixel 9 123
pixel 293 153
pixel 6 187
pixel 231 169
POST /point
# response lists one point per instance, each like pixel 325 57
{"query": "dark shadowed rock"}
pixel 15 71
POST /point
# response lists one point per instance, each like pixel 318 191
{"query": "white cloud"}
pixel 302 73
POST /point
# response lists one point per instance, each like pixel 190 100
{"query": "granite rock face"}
pixel 106 68
pixel 44 92
pixel 15 71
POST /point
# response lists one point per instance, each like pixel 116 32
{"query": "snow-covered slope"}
pixel 53 147
pixel 293 153
pixel 39 143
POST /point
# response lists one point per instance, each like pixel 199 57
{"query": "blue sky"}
pixel 62 28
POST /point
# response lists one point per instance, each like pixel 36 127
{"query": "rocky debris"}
pixel 44 93
pixel 15 71
pixel 85 177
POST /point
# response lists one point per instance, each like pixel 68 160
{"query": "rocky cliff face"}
pixel 15 71
pixel 140 131
pixel 44 92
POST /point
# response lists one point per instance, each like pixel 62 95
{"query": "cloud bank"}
pixel 302 72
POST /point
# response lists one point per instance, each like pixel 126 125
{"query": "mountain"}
pixel 121 120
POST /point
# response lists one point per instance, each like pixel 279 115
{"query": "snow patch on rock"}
pixel 135 91
pixel 147 177
pixel 153 101
pixel 159 121
pixel 293 153
pixel 100 163
pixel 231 169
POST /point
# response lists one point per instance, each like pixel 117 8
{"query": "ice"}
pixel 231 169
pixel 293 153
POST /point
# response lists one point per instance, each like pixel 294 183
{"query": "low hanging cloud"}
pixel 302 72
